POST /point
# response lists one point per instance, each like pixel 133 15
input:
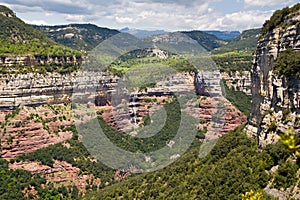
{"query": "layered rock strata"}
pixel 276 98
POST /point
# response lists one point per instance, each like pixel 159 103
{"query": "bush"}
pixel 288 63
pixel 286 175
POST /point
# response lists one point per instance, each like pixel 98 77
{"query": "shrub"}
pixel 288 63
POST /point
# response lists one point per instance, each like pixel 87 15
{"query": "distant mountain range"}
pixel 208 41
pixel 85 37
pixel 139 33
pixel 224 35
pixel 142 33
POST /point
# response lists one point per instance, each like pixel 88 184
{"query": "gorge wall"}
pixel 238 81
pixel 276 98
pixel 51 88
pixel 38 60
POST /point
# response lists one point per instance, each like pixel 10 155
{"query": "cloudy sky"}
pixel 170 15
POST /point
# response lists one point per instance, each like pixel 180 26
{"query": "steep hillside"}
pixel 83 37
pixel 233 168
pixel 275 78
pixel 246 42
pixel 19 38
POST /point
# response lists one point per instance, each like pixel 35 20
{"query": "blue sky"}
pixel 170 15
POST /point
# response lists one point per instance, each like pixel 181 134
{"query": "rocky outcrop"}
pixel 276 99
pixel 31 129
pixel 238 81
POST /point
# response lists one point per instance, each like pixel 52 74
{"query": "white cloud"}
pixel 48 14
pixel 58 6
pixel 76 18
pixel 241 20
pixel 125 20
pixel 22 8
pixel 265 3
pixel 159 15
pixel 36 22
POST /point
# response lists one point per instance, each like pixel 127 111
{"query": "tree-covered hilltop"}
pixel 83 37
pixel 19 38
pixel 277 18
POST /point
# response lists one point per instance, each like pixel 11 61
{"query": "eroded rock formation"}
pixel 51 88
pixel 32 129
pixel 276 99
pixel 39 60
pixel 61 173
pixel 238 81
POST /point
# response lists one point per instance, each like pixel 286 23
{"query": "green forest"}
pixel 15 182
pixel 19 38
pixel 233 167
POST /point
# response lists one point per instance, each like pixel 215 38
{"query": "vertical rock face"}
pixel 276 99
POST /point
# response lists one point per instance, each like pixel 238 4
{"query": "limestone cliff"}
pixel 51 88
pixel 8 61
pixel 276 98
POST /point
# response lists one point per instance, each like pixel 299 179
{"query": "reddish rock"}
pixel 24 133
pixel 62 173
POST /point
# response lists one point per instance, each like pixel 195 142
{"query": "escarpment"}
pixel 50 88
pixel 39 60
pixel 276 96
